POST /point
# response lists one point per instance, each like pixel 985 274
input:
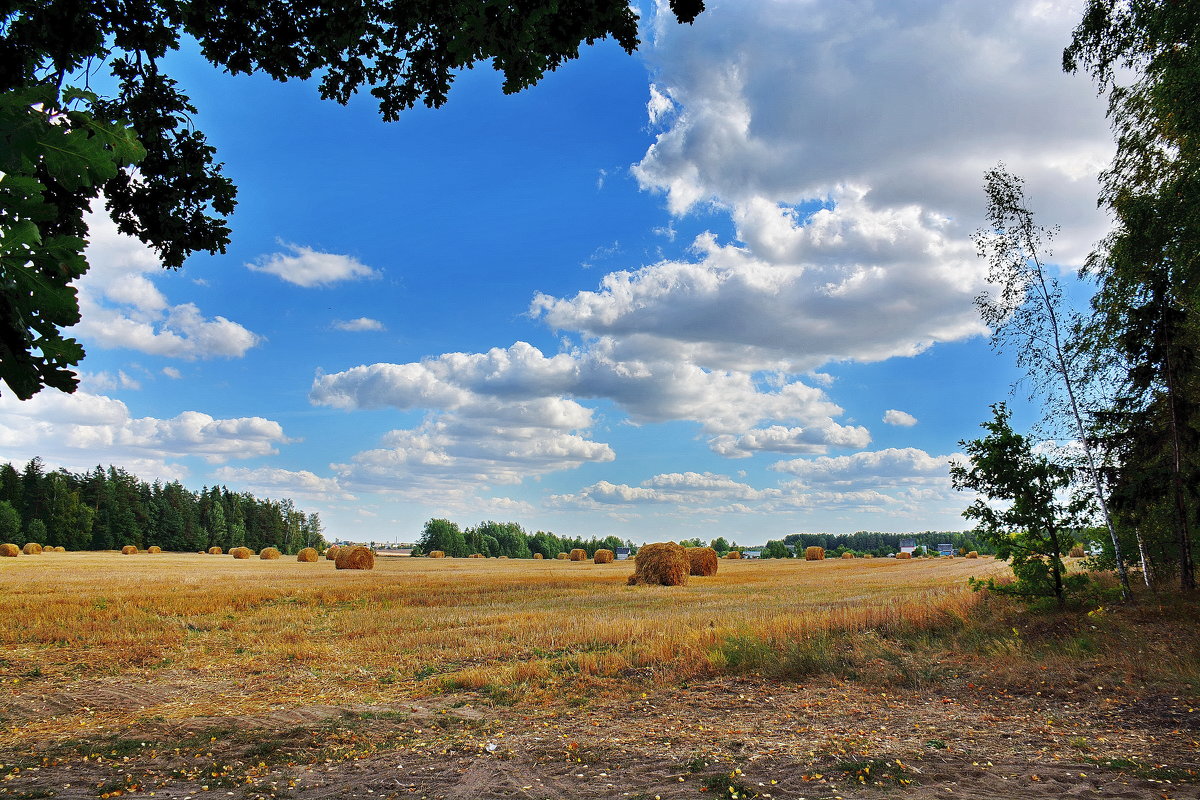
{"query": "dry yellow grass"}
pixel 325 636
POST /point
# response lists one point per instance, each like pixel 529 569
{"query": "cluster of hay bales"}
pixel 702 561
pixel 129 550
pixel 331 553
pixel 32 549
pixel 437 553
pixel 733 555
pixel 9 551
pixel 241 552
pixel 153 549
pixel 562 556
pixel 661 564
pixel 538 556
pixel 603 556
pixel 308 555
pixel 847 555
pixel 270 553
pixel 973 554
pixel 814 554
pixel 358 557
pixel 215 551
pixel 903 555
pixel 578 554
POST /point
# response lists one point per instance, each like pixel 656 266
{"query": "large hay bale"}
pixel 437 553
pixel 32 549
pixel 814 554
pixel 702 561
pixel 869 555
pixel 308 555
pixel 562 556
pixel 241 552
pixel 215 551
pixel 357 557
pixel 603 556
pixel 270 554
pixel 1076 551
pixel 58 548
pixel 578 554
pixel 903 555
pixel 733 555
pixel 153 549
pixel 331 553
pixel 973 554
pixel 661 564
pixel 847 555
pixel 538 556
pixel 9 551
pixel 128 550
pixel 477 555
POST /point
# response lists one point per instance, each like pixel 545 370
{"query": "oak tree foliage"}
pixel 63 147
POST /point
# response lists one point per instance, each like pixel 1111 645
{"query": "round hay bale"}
pixel 9 551
pixel 733 555
pixel 562 556
pixel 702 560
pixel 661 564
pixel 128 550
pixel 538 556
pixel 331 553
pixel 58 548
pixel 603 556
pixel 437 553
pixel 869 555
pixel 308 555
pixel 270 554
pixel 241 552
pixel 32 549
pixel 357 557
pixel 215 551
pixel 847 555
pixel 973 554
pixel 477 555
pixel 814 554
pixel 578 554
pixel 1076 551
pixel 153 549
pixel 903 555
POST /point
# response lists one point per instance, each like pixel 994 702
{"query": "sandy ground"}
pixel 732 738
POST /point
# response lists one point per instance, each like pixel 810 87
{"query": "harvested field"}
pixel 457 679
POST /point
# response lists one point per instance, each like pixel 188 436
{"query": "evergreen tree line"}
pixel 105 509
pixel 504 539
pixel 883 544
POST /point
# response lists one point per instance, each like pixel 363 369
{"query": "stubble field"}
pixel 184 676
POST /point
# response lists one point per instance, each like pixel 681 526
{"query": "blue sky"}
pixel 720 287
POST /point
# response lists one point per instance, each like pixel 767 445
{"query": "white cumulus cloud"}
pixel 308 268
pixel 900 418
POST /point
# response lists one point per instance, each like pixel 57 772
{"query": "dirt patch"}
pixel 725 738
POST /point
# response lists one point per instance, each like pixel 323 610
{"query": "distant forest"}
pixel 881 544
pixel 106 509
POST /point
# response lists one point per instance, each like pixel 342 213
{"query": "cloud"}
pixel 267 481
pixel 900 418
pixel 360 324
pixel 71 428
pixel 705 490
pixel 307 267
pixel 122 306
pixel 889 467
pixel 781 439
pixel 172 373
